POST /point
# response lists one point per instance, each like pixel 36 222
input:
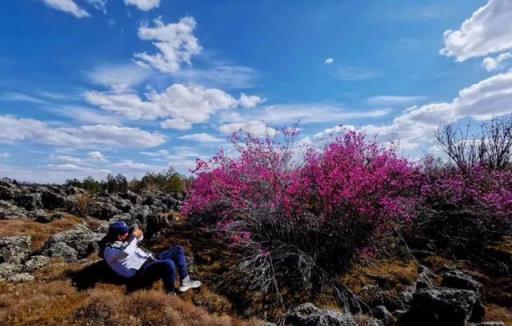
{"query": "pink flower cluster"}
pixel 349 179
pixel 480 187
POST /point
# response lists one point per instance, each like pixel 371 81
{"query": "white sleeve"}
pixel 132 245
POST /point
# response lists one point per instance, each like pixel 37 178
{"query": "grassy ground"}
pixel 59 297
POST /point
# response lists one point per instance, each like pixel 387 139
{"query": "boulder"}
pixel 52 200
pixel 28 201
pixel 39 215
pixel 8 191
pixel 9 211
pixel 443 306
pixel 73 244
pixel 62 250
pixel 383 314
pixel 36 262
pixel 103 210
pixel 49 218
pixel 141 215
pixel 308 314
pixel 14 249
pixel 21 277
pixel 132 197
pixel 459 280
pixel 9 269
pixel 424 279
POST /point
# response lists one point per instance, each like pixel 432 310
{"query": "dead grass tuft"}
pixel 53 300
pixel 39 232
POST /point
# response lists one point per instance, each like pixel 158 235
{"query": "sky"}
pixel 92 87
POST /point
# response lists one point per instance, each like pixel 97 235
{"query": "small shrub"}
pixel 83 204
pixel 298 222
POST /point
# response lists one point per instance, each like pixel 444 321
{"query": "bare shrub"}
pixel 83 204
pixel 492 148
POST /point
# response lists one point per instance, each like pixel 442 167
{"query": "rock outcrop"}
pixel 308 314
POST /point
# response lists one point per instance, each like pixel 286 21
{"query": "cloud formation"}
pixel 180 105
pixel 393 100
pixel 14 129
pixel 484 100
pixel 68 6
pixel 175 42
pixel 254 127
pixel 144 5
pixel 498 62
pixel 202 138
pixel 486 32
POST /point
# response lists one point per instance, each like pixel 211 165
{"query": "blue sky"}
pixel 91 87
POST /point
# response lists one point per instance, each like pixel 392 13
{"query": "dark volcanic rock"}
pixel 36 262
pixel 28 201
pixel 308 314
pixel 103 210
pixel 39 215
pixel 383 314
pixel 63 250
pixel 443 306
pixel 9 211
pixel 14 249
pixel 132 197
pixel 73 244
pixel 8 191
pixel 52 200
pixel 459 280
pixel 424 279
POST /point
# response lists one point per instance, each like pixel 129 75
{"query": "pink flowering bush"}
pixel 303 216
pixel 462 211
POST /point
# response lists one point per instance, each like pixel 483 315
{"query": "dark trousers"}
pixel 164 267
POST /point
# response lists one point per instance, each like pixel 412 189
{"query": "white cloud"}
pixel 498 62
pixel 178 124
pixel 349 73
pixel 253 127
pixel 176 44
pixel 68 6
pixel 119 78
pixel 99 5
pixel 96 156
pixel 336 130
pixel 328 61
pixel 220 75
pixel 14 129
pixel 20 97
pixel 202 138
pixel 249 101
pixel 393 100
pixel 485 32
pixel 313 113
pixel 144 5
pixel 5 155
pixel 482 101
pixel 66 159
pixel 182 105
pixel 131 165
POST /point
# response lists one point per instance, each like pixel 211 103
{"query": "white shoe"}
pixel 187 284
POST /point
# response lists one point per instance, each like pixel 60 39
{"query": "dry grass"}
pixel 387 274
pixel 39 232
pixel 53 300
pixel 497 313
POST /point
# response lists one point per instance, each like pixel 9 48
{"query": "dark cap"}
pixel 118 228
